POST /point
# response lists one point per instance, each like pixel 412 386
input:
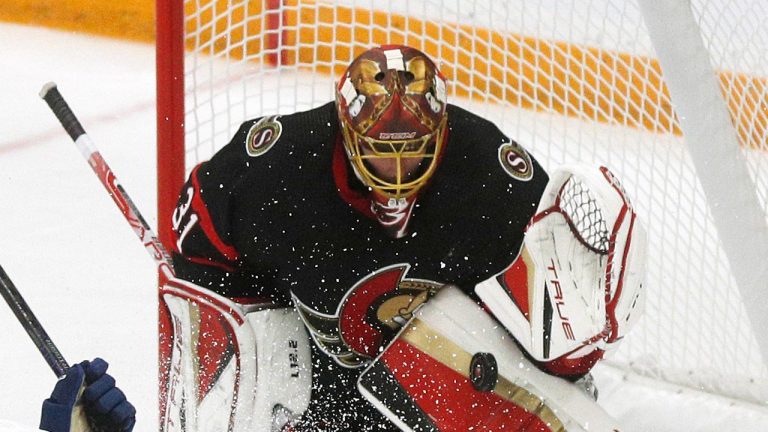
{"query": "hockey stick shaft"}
pixel 71 124
pixel 34 329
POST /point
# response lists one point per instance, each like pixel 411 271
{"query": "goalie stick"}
pixel 51 95
pixel 33 327
pixel 71 124
pixel 169 383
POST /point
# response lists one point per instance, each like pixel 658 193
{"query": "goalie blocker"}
pixel 234 366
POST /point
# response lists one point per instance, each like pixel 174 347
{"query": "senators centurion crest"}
pixel 263 135
pixel 516 161
pixel 369 316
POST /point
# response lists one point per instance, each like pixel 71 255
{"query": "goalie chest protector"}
pixel 266 216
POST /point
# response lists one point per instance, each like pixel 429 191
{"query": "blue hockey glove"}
pixel 87 400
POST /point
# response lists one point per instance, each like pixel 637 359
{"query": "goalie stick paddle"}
pixel 33 327
pixel 66 116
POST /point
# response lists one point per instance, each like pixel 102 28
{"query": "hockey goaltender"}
pixel 387 261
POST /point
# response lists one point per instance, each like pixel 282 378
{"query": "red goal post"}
pixel 573 81
pixel 170 110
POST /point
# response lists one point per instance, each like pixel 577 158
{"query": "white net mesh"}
pixel 571 80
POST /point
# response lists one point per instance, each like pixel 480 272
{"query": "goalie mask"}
pixel 391 104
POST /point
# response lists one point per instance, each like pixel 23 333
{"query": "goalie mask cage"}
pixel 572 81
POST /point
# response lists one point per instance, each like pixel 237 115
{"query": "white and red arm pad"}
pixel 234 367
pixel 575 288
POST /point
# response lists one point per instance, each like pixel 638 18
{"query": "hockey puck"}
pixel 483 371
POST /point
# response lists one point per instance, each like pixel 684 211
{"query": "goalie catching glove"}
pixel 575 289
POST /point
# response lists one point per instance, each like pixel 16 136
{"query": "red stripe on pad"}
pixel 449 398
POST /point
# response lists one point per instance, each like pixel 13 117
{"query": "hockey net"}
pixel 571 80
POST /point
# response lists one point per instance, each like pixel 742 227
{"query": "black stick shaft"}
pixel 61 109
pixel 36 332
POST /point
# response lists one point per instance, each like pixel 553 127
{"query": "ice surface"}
pixel 62 240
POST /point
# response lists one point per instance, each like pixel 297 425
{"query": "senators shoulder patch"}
pixel 263 135
pixel 516 161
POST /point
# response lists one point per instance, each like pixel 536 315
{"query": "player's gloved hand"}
pixel 87 400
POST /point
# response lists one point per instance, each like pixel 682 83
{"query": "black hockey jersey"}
pixel 278 213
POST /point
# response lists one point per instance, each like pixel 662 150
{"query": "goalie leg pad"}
pixel 233 367
pixel 439 375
